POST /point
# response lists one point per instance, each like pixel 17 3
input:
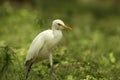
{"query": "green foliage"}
pixel 91 51
pixel 112 57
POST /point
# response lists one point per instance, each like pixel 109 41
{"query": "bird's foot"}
pixel 53 74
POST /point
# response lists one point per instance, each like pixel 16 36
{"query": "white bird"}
pixel 44 42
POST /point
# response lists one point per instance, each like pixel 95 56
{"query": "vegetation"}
pixel 91 51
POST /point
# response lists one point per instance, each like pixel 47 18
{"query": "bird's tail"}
pixel 28 66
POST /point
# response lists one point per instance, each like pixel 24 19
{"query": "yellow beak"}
pixel 66 27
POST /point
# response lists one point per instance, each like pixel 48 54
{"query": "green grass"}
pixel 90 51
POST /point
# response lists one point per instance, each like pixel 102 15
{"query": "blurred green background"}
pixel 91 51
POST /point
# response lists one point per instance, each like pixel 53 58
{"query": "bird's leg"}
pixel 52 69
pixel 51 63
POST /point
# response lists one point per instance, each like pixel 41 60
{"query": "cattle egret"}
pixel 43 44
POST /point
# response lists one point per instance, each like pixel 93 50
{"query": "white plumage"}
pixel 44 42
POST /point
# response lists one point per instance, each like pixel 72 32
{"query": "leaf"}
pixel 112 57
pixel 70 77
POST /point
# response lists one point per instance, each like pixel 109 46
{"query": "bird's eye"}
pixel 59 24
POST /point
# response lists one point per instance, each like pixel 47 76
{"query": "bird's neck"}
pixel 57 32
pixel 55 28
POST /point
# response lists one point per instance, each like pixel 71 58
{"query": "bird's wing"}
pixel 35 47
pixel 37 44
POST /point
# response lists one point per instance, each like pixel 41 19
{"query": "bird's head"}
pixel 59 24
